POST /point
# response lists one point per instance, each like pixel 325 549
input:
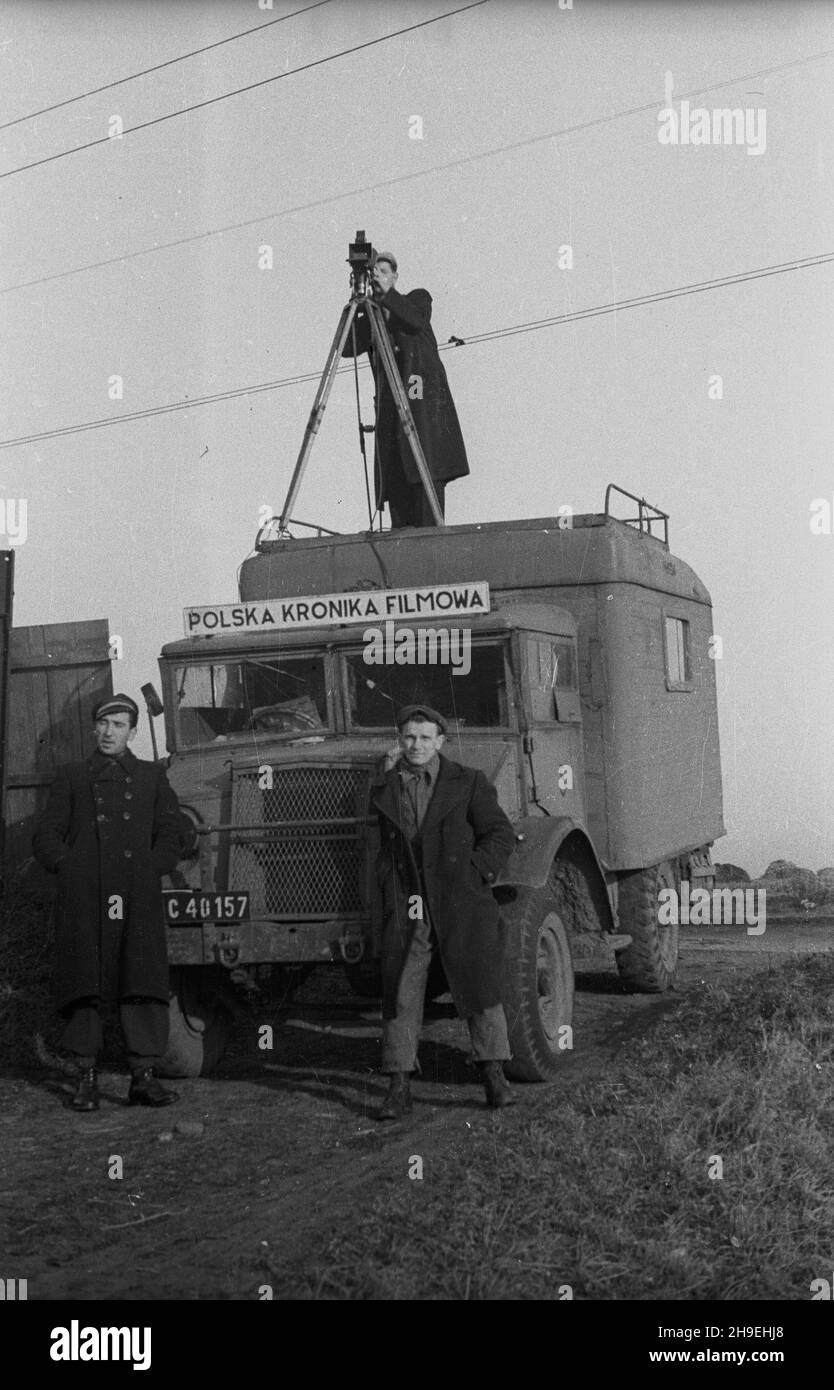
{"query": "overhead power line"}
pixel 680 292
pixel 400 178
pixel 239 91
pixel 615 306
pixel 157 67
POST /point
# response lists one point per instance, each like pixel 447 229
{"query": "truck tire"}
pixel 650 962
pixel 538 984
pixel 198 1026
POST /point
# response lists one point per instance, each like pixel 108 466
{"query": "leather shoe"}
pixel 86 1095
pixel 496 1085
pixel 398 1101
pixel 145 1089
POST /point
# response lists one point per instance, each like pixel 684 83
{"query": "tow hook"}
pixel 227 949
pixel 352 945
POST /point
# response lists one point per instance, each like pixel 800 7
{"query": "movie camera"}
pixel 361 258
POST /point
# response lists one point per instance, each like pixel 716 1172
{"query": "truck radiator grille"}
pixel 316 867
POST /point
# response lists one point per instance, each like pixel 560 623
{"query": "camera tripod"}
pixel 360 299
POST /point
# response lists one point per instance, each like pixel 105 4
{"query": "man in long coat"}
pixel 444 840
pixel 422 373
pixel 110 829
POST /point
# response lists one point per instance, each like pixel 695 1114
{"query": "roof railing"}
pixel 272 531
pixel 647 515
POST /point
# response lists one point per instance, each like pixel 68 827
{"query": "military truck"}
pixel 588 700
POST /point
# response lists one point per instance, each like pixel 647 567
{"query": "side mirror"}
pixel 154 706
pixel 152 700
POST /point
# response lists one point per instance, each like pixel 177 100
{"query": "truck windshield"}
pixel 478 699
pixel 281 695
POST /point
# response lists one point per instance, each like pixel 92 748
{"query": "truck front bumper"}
pixel 264 942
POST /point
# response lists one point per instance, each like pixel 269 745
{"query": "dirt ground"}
pixel 257 1165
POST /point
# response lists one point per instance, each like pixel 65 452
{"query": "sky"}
pixel 142 259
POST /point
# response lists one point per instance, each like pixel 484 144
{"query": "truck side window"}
pixel 678 656
pixel 551 665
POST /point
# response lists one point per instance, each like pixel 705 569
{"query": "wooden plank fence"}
pixel 57 675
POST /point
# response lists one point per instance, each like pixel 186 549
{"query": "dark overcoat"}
pixel 465 842
pixel 424 378
pixel 110 829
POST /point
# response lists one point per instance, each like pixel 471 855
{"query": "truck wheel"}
pixel 198 1026
pixel 538 984
pixel 650 962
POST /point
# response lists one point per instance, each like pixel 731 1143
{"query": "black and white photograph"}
pixel 416 656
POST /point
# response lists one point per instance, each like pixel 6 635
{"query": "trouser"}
pixel 144 1028
pixel 400 1035
pixel 407 502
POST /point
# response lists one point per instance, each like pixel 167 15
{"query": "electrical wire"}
pixel 400 178
pixel 239 91
pixel 697 287
pixel 490 335
pixel 157 67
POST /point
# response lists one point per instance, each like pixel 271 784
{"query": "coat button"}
pixel 128 779
pixel 125 815
pixel 101 818
pixel 128 854
pixel 128 796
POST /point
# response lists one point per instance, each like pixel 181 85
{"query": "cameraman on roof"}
pixel 397 481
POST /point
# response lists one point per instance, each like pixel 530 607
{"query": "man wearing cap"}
pixel 444 841
pixel 397 480
pixel 110 829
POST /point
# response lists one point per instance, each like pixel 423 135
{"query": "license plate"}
pixel 184 908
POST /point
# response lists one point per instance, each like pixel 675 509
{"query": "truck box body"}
pixel 652 779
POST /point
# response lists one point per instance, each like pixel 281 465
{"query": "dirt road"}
pixel 256 1165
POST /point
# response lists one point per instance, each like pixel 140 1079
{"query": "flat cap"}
pixel 116 704
pixel 387 256
pixel 420 712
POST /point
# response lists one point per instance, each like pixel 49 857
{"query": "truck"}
pixel 572 656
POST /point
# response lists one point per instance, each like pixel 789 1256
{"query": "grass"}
pixel 607 1188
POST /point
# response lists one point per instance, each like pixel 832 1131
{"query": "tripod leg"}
pixel 319 404
pixel 386 355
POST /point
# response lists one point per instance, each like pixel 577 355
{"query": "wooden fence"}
pixel 57 674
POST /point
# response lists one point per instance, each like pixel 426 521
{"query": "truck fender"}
pixel 539 840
